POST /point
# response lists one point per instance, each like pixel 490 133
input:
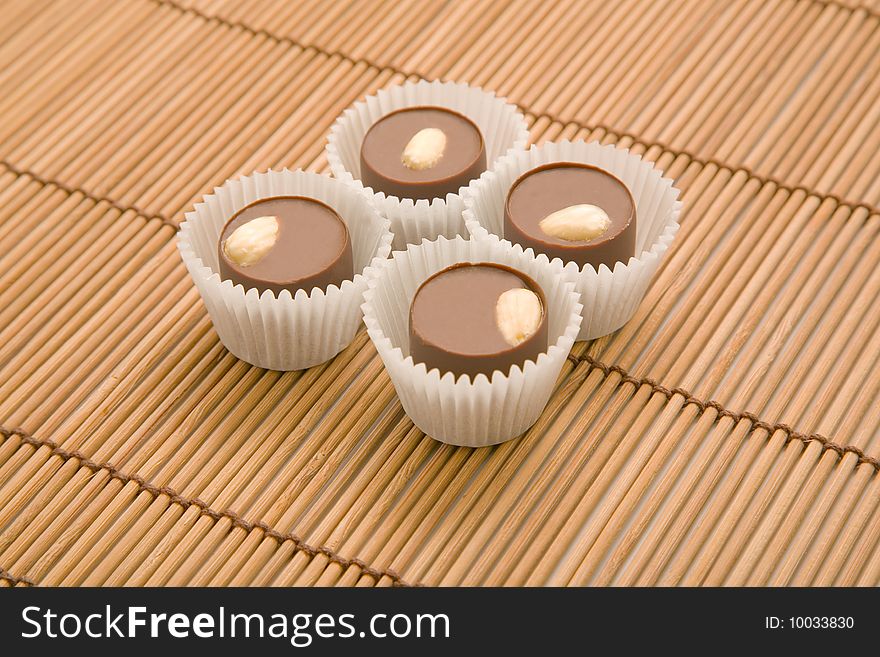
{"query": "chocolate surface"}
pixel 552 187
pixel 382 167
pixel 453 325
pixel 312 249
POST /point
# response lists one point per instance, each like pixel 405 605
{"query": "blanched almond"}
pixel 250 242
pixel 425 149
pixel 518 313
pixel 576 223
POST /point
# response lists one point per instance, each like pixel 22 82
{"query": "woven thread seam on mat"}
pixel 871 209
pixel 275 38
pixel 841 202
pixel 70 191
pixel 851 9
pixel 216 18
pixel 702 161
pixel 618 133
pixel 204 509
pixel 756 422
pixel 6 576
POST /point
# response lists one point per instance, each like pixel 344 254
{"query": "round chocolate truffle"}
pixel 422 153
pixel 572 211
pixel 285 243
pixel 477 318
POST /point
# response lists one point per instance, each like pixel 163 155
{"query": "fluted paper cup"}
pixel 501 124
pixel 458 410
pixel 610 296
pixel 284 332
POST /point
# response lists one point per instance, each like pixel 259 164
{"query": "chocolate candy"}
pixel 422 153
pixel 572 211
pixel 477 318
pixel 285 243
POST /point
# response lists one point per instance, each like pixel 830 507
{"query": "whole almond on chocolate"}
pixel 576 223
pixel 250 242
pixel 425 149
pixel 518 314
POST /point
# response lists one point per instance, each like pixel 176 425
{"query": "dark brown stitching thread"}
pixel 754 420
pixel 733 168
pixel 86 194
pixel 204 509
pixel 607 129
pixel 274 38
pixel 620 134
pixel 15 581
pixel 617 133
pixel 840 5
pixel 215 18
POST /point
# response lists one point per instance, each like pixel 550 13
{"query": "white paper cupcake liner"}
pixel 610 297
pixel 502 125
pixel 459 411
pixel 284 332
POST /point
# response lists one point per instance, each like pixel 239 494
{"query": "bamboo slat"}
pixel 728 434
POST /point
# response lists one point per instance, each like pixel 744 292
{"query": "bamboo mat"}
pixel 728 434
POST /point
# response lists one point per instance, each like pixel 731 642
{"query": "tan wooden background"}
pixel 728 434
